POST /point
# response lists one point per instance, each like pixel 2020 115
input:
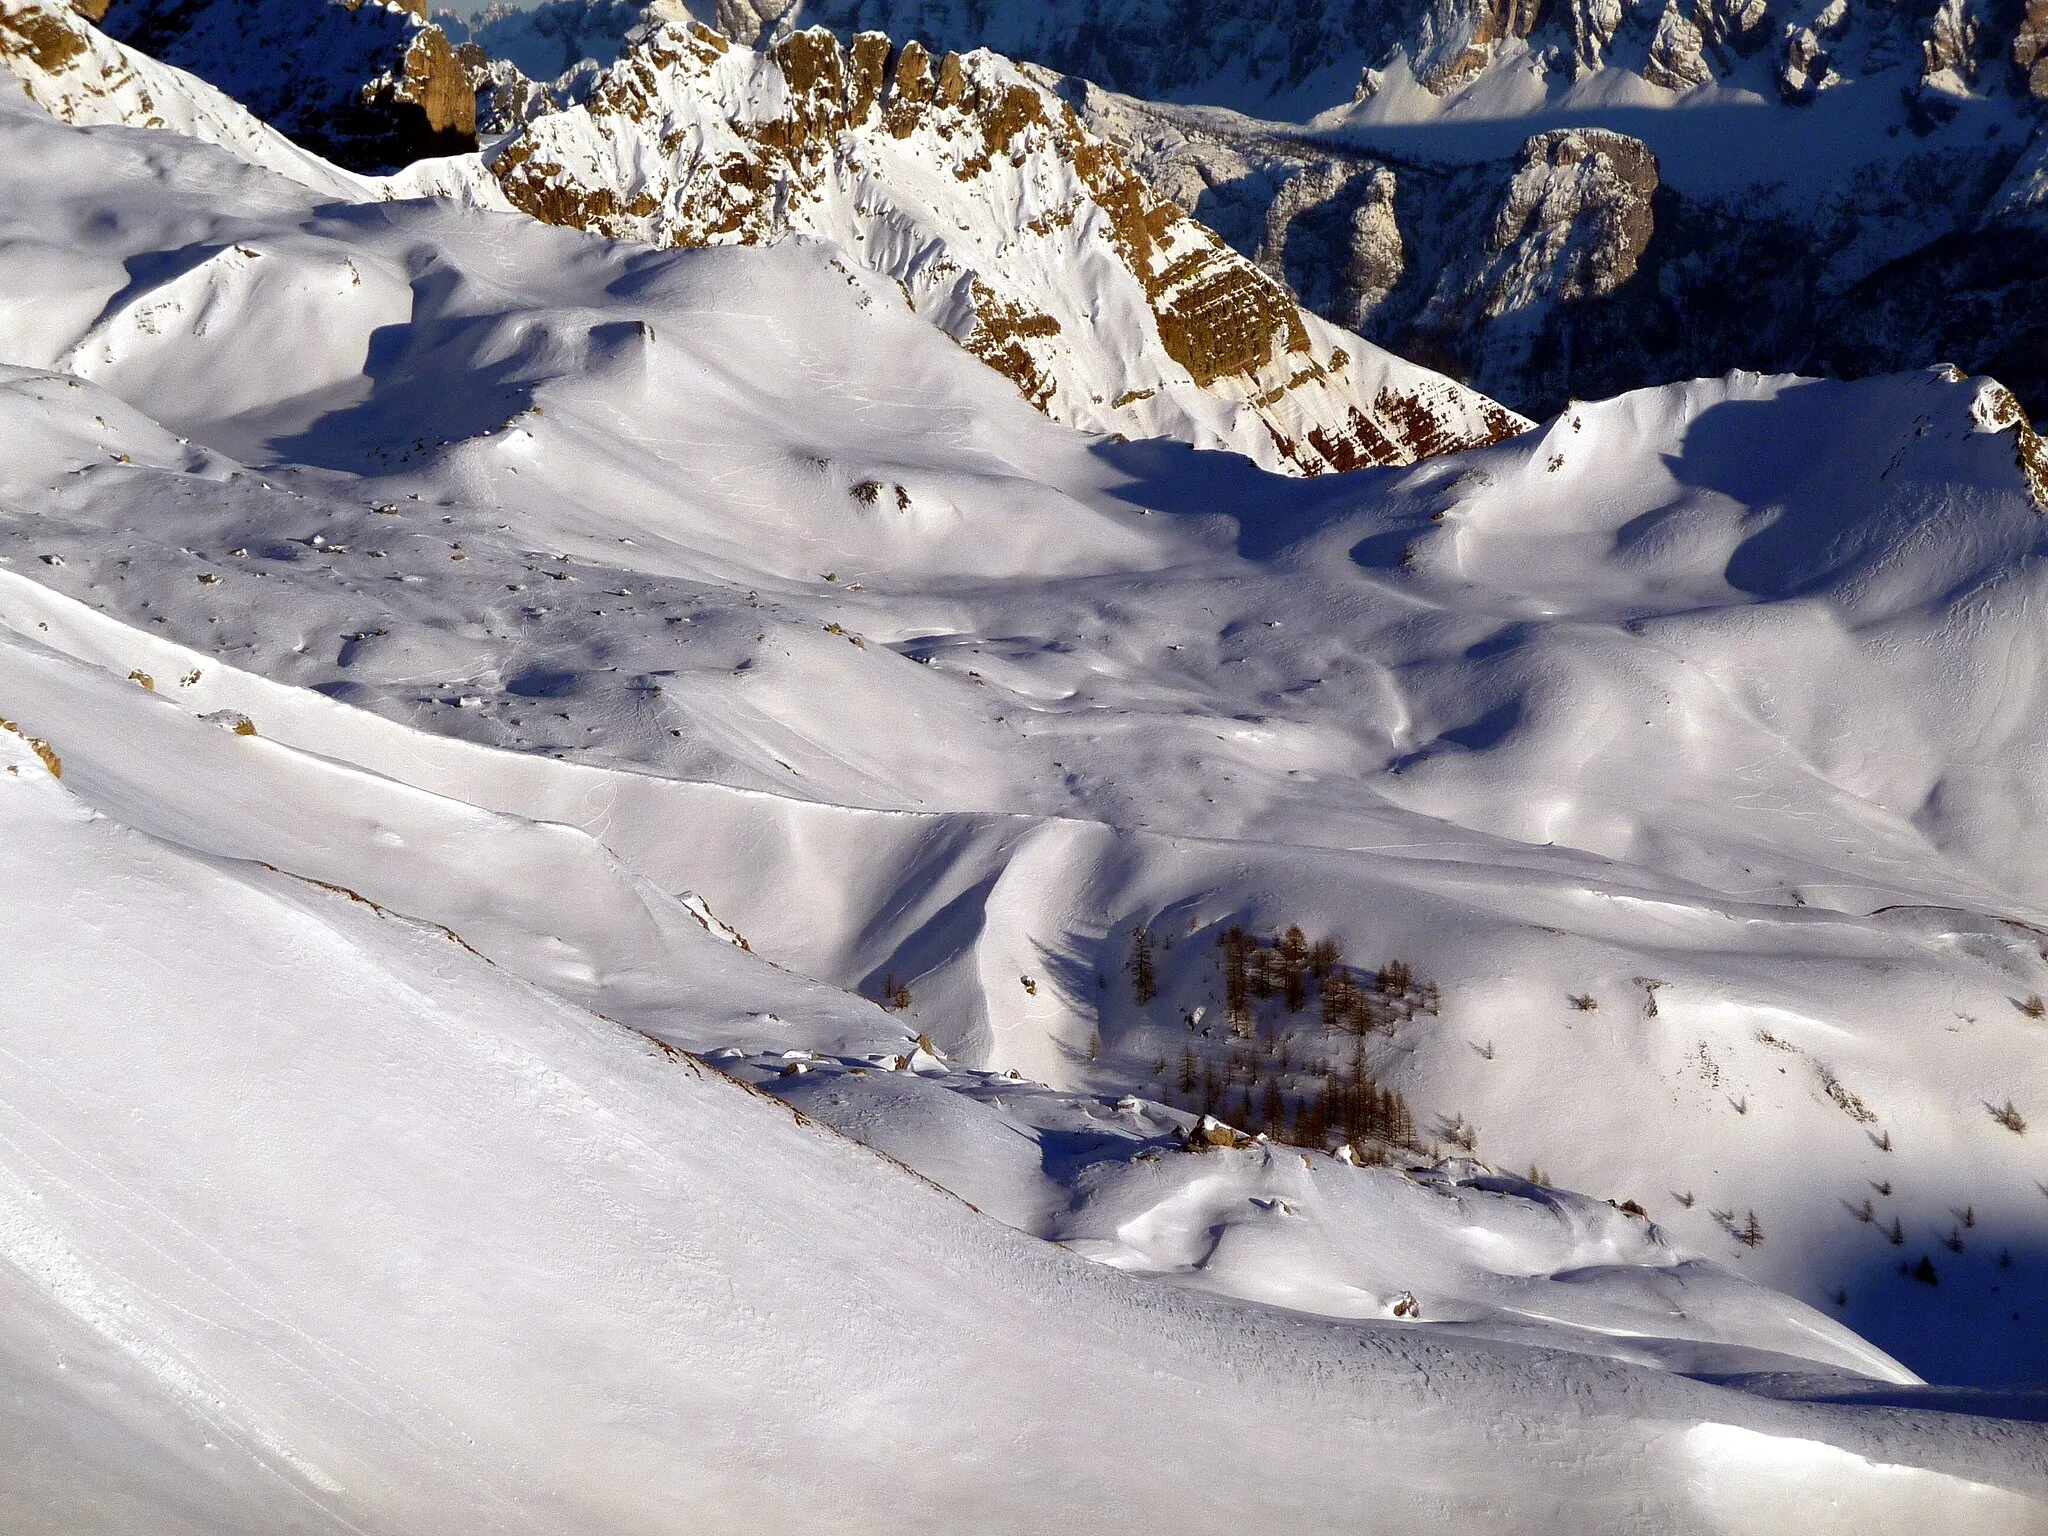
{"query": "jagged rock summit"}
pixel 1006 221
pixel 1292 58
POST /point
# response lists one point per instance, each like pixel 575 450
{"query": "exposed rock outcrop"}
pixel 1297 57
pixel 1268 48
pixel 1009 224
pixel 2030 49
pixel 1460 38
pixel 1331 233
pixel 549 40
pixel 1574 222
pixel 1677 58
pixel 1997 409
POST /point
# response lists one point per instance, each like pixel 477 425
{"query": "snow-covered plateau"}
pixel 636 899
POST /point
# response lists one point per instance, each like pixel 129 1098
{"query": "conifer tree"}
pixel 1293 951
pixel 1338 990
pixel 1323 957
pixel 1237 1007
pixel 1144 983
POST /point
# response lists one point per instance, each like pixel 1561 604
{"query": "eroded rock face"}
pixel 1331 235
pixel 1294 58
pixel 1574 222
pixel 1695 41
pixel 369 86
pixel 1677 58
pixel 506 99
pixel 1460 38
pixel 1166 51
pixel 2030 49
pixel 753 23
pixel 1010 225
pixel 1996 410
pixel 1961 48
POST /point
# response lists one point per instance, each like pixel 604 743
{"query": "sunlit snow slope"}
pixel 311 1218
pixel 498 676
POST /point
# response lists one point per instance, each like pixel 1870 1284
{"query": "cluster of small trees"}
pixel 1308 1109
pixel 1354 1110
pixel 1255 1083
pixel 1289 967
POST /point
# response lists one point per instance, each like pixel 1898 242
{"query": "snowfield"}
pixel 637 900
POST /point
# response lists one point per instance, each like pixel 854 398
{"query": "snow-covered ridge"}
pixel 1009 225
pixel 430 640
pixel 1837 211
pixel 369 84
pixel 78 74
pixel 402 1239
pixel 902 679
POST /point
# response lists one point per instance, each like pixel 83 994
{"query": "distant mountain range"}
pixel 1822 189
pixel 1546 202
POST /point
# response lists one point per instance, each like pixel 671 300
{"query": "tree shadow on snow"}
pixel 1973 1323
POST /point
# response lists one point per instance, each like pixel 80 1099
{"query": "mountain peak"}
pixel 1009 224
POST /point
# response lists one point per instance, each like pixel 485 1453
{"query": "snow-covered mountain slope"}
pixel 910 685
pixel 369 84
pixel 1009 226
pixel 353 1178
pixel 315 1219
pixel 76 72
pixel 550 905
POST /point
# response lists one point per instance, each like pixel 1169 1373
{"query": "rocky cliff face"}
pixel 1237 51
pixel 2030 48
pixel 1006 221
pixel 369 85
pixel 1574 268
